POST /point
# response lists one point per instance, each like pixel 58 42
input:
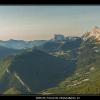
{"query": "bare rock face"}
pixel 94 33
pixel 96 29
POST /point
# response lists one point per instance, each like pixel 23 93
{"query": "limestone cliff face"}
pixel 95 33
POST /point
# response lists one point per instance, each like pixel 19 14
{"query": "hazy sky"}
pixel 42 22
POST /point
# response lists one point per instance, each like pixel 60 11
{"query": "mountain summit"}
pixel 95 33
pixel 96 29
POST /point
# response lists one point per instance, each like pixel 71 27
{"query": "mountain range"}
pixel 85 79
pixel 37 69
pixel 21 44
pixel 70 66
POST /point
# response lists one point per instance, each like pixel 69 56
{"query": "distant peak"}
pixel 95 32
pixel 96 29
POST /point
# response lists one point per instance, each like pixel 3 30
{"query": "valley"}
pixel 68 65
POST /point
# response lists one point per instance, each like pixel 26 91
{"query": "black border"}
pixel 47 3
